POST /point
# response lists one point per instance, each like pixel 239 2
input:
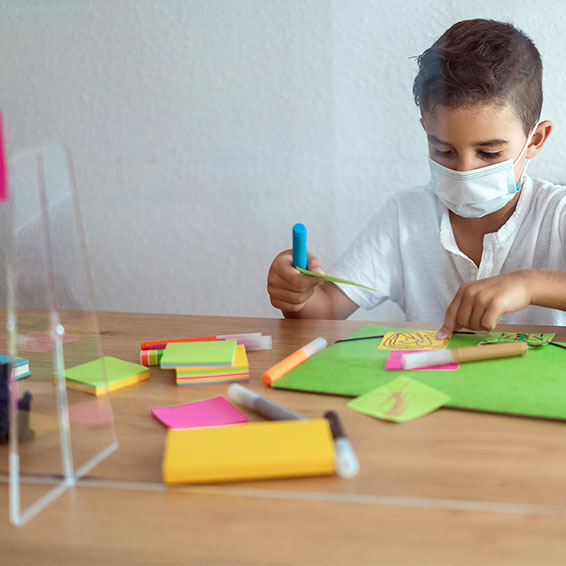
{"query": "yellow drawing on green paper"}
pixel 412 340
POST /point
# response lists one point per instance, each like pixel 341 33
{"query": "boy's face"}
pixel 468 138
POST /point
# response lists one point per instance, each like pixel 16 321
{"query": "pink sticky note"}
pixel 212 412
pixel 41 342
pixel 3 172
pixel 394 361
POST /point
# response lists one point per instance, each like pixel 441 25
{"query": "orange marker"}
pixel 292 361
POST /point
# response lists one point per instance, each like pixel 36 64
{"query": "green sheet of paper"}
pixel 534 384
pixel 214 353
pixel 400 400
pixel 332 279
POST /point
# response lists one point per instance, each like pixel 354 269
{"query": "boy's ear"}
pixel 539 138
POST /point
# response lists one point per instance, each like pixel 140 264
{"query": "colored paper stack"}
pixel 214 361
pixel 211 441
pixel 151 352
pixel 104 375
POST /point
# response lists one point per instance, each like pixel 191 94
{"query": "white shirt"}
pixel 408 253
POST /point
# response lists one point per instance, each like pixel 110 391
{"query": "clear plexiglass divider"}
pixel 58 428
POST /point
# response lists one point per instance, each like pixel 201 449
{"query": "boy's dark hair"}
pixel 481 62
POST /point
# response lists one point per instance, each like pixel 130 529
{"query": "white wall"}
pixel 203 130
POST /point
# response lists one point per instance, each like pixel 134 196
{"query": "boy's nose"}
pixel 466 164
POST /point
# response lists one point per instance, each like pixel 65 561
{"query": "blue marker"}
pixel 300 246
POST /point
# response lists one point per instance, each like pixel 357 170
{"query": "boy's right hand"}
pixel 288 289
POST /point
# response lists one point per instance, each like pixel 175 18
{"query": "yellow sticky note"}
pixel 412 340
pixel 249 451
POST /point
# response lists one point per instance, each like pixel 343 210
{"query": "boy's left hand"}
pixel 478 304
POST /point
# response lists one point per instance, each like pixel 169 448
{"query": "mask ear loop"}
pixel 523 151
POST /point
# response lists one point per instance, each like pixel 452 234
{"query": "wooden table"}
pixel 454 487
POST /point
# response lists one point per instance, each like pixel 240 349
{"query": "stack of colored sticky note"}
pixel 151 352
pixel 104 375
pixel 213 361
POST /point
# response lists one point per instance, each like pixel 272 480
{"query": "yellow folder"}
pixel 249 451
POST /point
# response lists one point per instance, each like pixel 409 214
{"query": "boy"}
pixel 483 240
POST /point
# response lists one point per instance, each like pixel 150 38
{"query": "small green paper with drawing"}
pixel 400 400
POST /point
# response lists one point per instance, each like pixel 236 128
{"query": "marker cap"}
pixel 425 359
pixel 257 343
pixel 315 346
pixel 347 464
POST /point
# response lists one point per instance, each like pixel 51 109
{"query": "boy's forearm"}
pixel 547 288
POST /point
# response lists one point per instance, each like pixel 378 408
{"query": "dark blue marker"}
pixel 300 246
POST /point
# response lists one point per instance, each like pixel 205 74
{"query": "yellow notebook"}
pixel 249 451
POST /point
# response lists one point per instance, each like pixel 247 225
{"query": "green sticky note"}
pixel 332 278
pixel 213 353
pixel 93 373
pixel 400 400
pixel 105 374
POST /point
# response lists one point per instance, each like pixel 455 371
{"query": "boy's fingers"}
pixel 286 276
pixel 464 314
pixel 289 297
pixel 477 318
pixel 306 283
pixel 450 323
pixel 490 318
pixel 284 306
pixel 289 289
pixel 313 264
pixel 444 332
pixel 312 280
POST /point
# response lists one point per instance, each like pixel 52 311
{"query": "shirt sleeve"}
pixel 373 259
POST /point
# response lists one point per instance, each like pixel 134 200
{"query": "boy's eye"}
pixel 444 154
pixel 488 155
pixel 483 154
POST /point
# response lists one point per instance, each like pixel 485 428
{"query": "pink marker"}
pixel 3 173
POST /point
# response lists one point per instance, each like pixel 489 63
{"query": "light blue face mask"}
pixel 476 193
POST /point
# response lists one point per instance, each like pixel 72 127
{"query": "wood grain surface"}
pixel 454 487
